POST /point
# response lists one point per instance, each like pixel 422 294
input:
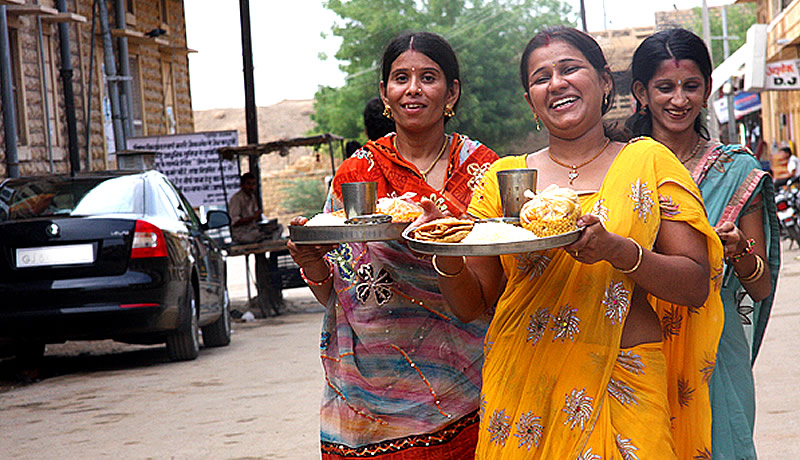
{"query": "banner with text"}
pixel 192 163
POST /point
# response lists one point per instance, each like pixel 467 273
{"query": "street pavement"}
pixel 776 372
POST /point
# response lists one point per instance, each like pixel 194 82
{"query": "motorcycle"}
pixel 787 199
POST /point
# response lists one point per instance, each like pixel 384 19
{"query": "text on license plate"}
pixel 71 254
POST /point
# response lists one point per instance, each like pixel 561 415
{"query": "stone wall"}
pixel 33 150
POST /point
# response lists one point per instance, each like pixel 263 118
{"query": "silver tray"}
pixel 491 249
pixel 349 233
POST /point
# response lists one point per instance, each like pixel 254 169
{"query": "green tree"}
pixel 740 18
pixel 488 36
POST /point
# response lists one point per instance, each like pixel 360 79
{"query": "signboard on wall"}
pixel 743 103
pixel 782 75
pixel 192 163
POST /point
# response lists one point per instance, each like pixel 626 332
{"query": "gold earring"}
pixel 448 111
pixel 538 126
pixel 606 99
pixel 643 110
pixel 387 112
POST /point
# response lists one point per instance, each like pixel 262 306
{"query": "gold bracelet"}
pixel 638 259
pixel 445 274
pixel 757 273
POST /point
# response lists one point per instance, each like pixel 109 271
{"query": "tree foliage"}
pixel 488 36
pixel 739 18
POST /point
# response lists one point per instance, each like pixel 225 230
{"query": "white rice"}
pixel 325 220
pixel 497 232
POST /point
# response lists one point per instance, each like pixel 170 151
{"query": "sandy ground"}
pixel 258 398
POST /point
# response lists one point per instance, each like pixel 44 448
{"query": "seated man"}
pixel 245 211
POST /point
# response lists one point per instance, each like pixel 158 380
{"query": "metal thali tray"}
pixel 367 230
pixel 490 249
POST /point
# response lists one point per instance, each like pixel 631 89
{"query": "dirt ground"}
pixel 259 397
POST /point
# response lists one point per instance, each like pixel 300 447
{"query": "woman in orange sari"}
pixel 402 372
pixel 574 367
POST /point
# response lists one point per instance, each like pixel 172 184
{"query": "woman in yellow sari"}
pixel 574 365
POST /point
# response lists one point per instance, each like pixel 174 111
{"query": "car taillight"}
pixel 782 205
pixel 148 241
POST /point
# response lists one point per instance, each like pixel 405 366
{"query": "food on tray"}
pixel 497 232
pixel 552 211
pixel 325 220
pixel 400 209
pixel 445 230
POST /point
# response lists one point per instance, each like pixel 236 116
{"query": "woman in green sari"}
pixel 671 73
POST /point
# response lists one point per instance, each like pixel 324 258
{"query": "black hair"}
pixel 786 149
pixel 579 40
pixel 670 44
pixel 246 176
pixel 375 124
pixel 350 147
pixel 432 45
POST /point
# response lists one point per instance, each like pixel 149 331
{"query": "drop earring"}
pixel 538 126
pixel 387 112
pixel 644 110
pixel 448 111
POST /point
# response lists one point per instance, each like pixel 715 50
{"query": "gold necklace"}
pixel 424 174
pixel 573 174
pixel 696 149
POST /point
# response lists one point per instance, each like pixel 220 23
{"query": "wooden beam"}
pixel 65 17
pixel 12 2
pixel 36 10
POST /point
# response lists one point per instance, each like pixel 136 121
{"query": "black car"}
pixel 112 255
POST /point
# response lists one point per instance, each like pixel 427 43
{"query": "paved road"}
pixel 258 398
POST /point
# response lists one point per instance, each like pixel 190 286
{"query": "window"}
pixel 130 16
pixel 17 87
pixel 164 11
pixel 168 85
pixel 51 80
pixel 136 96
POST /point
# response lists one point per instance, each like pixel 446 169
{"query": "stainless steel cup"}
pixel 360 198
pixel 513 183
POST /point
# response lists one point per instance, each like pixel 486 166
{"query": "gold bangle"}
pixel 445 274
pixel 757 273
pixel 638 259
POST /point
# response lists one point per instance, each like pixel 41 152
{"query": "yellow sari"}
pixel 556 384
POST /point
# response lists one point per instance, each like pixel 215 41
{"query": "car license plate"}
pixel 71 254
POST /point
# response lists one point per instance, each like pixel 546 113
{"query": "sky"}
pixel 290 36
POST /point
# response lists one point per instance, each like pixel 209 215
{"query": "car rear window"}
pixel 57 196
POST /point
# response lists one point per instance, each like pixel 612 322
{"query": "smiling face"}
pixel 675 95
pixel 564 90
pixel 417 92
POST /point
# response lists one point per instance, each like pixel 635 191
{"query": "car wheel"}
pixel 218 333
pixel 184 343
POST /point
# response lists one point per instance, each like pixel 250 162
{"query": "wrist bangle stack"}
pixel 317 283
pixel 445 274
pixel 638 259
pixel 759 270
pixel 748 249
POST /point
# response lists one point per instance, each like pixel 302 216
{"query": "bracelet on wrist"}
pixel 638 258
pixel 748 249
pixel 445 274
pixel 311 282
pixel 757 272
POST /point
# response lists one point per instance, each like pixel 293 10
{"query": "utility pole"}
pixel 732 89
pixel 583 16
pixel 713 124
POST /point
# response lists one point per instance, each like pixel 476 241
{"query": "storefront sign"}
pixel 782 75
pixel 743 103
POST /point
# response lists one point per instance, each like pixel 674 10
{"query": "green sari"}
pixel 730 179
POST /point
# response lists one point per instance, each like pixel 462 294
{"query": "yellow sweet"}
pixel 552 211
